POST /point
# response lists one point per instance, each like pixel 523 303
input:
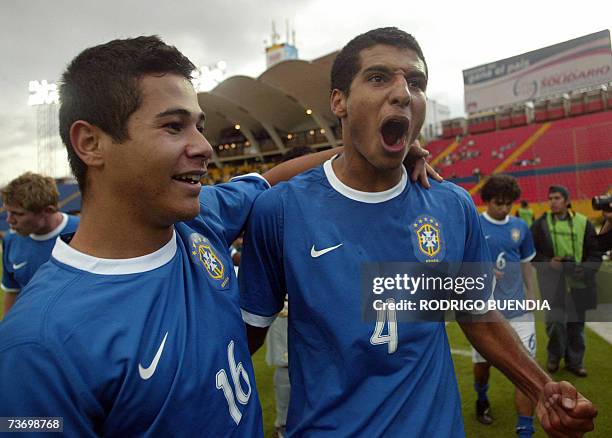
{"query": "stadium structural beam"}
pixel 274 136
pixel 215 159
pixel 329 134
pixel 254 143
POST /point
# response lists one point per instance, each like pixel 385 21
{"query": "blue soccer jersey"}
pixel 150 346
pixel 511 244
pixel 309 237
pixel 23 255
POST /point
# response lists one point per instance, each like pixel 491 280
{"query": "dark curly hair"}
pixel 500 186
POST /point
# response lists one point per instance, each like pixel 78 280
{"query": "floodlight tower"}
pixel 45 98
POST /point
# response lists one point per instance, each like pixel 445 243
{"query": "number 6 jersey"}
pixel 308 238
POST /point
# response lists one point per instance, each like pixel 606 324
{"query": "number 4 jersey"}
pixel 349 377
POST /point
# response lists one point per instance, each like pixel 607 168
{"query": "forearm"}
pixel 256 337
pixel 9 300
pixel 287 170
pixel 529 280
pixel 498 343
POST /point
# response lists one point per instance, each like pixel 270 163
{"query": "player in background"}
pixel 512 249
pixel 31 203
pixel 310 236
pixel 525 212
pixel 134 326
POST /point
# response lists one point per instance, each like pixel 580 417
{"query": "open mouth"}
pixel 394 131
pixel 189 178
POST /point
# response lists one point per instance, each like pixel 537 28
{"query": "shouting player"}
pixel 134 326
pixel 310 236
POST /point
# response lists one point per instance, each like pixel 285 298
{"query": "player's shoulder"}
pixel 517 222
pixel 305 183
pixel 73 223
pixel 444 192
pixel 39 312
pixel 8 239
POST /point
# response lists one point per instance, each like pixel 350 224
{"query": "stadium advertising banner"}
pixel 578 63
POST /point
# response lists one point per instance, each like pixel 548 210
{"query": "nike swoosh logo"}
pixel 486 237
pixel 314 253
pixel 19 265
pixel 147 373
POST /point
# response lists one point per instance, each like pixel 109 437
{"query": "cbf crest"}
pixel 428 240
pixel 515 233
pixel 205 255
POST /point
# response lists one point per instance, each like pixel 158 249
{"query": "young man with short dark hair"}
pixel 511 246
pixel 568 259
pixel 31 202
pixel 134 326
pixel 310 236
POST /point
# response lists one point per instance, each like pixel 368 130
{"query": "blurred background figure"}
pixel 31 202
pixel 525 213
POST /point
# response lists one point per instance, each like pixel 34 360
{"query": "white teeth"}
pixel 192 179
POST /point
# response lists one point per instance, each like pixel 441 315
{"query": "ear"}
pixel 86 142
pixel 50 209
pixel 338 103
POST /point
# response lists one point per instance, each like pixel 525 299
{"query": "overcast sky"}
pixel 38 38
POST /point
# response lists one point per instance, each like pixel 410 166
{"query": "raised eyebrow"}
pixel 377 69
pixel 181 112
pixel 419 74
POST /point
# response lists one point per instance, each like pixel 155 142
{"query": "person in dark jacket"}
pixel 566 260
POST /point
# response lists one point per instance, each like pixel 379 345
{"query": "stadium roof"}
pixel 275 103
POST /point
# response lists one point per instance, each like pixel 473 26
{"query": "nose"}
pixel 199 147
pixel 400 92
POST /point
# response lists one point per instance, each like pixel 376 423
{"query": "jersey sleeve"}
pixel 527 248
pixel 261 275
pixel 9 284
pixel 231 202
pixel 33 384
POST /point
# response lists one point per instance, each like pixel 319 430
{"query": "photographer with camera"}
pixel 566 260
pixel 604 203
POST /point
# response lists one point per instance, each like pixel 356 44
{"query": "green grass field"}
pixel 597 386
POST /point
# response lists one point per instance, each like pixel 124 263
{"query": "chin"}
pixel 388 162
pixel 188 212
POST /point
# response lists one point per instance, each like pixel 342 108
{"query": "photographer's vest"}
pixel 567 238
pixel 567 235
pixel 526 214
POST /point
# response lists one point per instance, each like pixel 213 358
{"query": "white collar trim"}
pixel 495 221
pixel 64 253
pixel 54 232
pixel 356 195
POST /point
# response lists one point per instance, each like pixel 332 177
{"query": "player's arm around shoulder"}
pixel 226 207
pixel 261 274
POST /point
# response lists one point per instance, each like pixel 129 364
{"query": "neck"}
pixel 356 172
pixel 560 215
pixel 117 233
pixel 51 223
